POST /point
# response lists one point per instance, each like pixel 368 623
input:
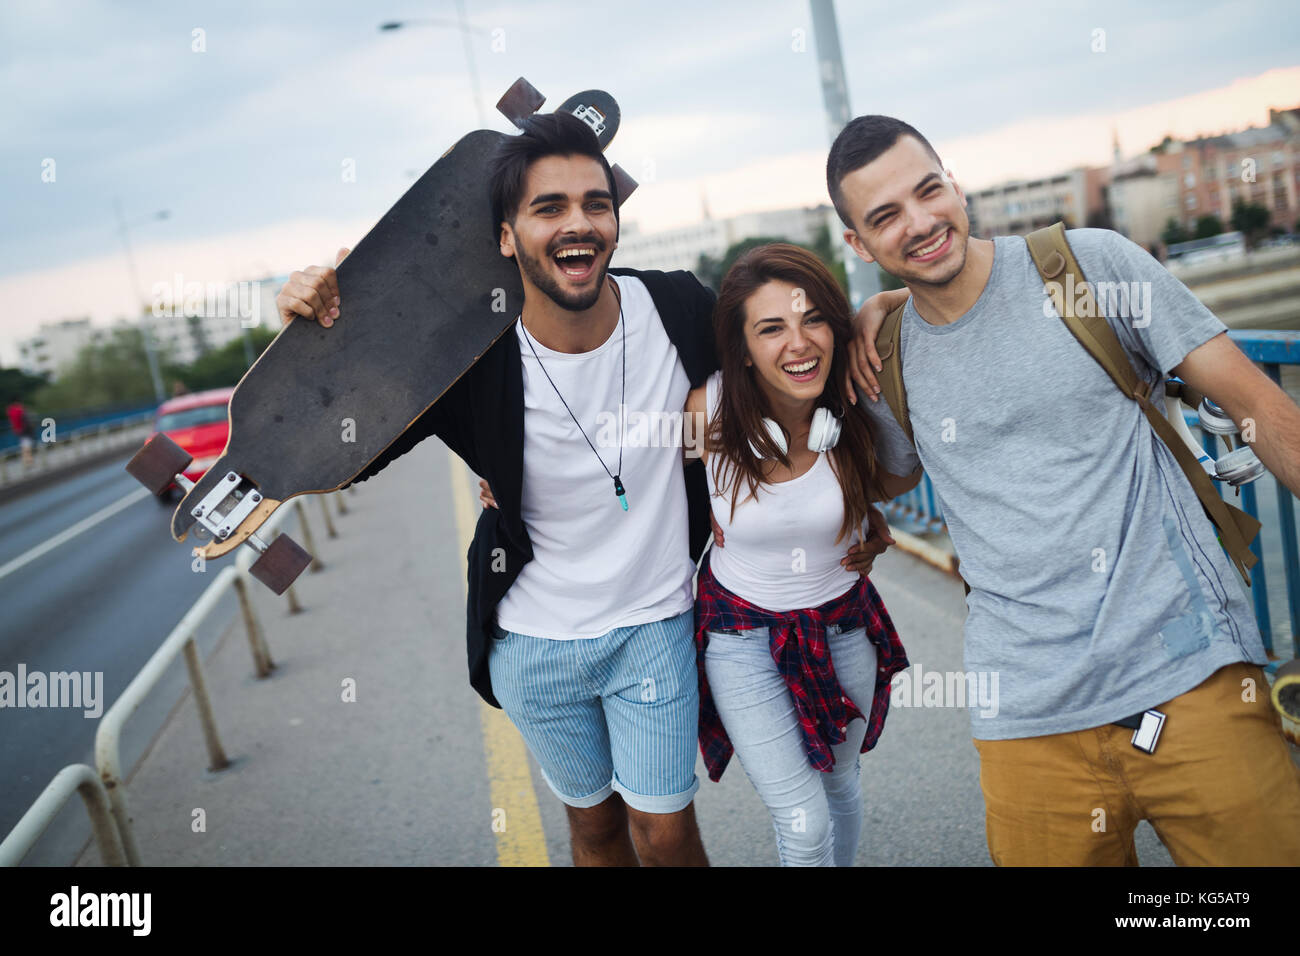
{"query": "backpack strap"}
pixel 888 347
pixel 1061 274
pixel 1175 388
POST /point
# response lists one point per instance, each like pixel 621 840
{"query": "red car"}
pixel 198 423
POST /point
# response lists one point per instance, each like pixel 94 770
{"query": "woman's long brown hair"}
pixel 743 405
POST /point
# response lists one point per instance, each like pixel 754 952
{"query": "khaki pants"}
pixel 1220 790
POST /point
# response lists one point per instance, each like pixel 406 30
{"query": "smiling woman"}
pixel 782 326
pixel 795 649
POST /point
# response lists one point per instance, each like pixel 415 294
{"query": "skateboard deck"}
pixel 423 295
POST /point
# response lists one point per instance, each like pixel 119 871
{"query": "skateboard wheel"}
pixel 157 464
pixel 1286 690
pixel 280 564
pixel 521 101
pixel 626 184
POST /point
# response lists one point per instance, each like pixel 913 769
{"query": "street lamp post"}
pixel 465 30
pixel 146 325
pixel 864 277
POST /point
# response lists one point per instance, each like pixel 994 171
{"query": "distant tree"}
pixel 17 384
pixel 224 366
pixel 198 335
pixel 889 281
pixel 738 249
pixel 1207 226
pixel 1099 219
pixel 114 371
pixel 1251 220
pixel 1174 232
pixel 824 249
pixel 709 271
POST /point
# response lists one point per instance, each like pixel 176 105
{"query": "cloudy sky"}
pixel 238 118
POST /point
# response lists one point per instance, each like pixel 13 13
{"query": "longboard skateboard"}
pixel 424 294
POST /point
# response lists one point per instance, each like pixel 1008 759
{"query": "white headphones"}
pixel 1240 466
pixel 823 434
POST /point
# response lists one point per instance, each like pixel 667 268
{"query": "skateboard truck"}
pixel 212 512
pixel 594 107
pixel 592 117
pixel 161 462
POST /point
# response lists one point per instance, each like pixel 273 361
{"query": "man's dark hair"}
pixel 861 142
pixel 546 134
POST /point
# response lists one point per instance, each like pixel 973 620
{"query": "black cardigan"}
pixel 481 419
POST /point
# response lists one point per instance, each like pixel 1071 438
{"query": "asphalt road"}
pixel 100 600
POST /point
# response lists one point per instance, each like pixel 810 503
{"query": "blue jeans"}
pixel 817 816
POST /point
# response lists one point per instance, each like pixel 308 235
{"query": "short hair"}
pixel 859 143
pixel 544 134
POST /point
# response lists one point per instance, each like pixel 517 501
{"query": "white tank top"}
pixel 780 551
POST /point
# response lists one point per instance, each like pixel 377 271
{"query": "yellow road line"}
pixel 516 820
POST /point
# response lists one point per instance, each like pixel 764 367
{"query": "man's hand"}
pixel 861 556
pixel 311 294
pixel 485 495
pixel 717 530
pixel 863 361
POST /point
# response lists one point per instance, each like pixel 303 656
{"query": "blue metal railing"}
pixel 69 422
pixel 918 511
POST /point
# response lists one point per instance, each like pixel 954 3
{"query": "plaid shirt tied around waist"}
pixel 801 651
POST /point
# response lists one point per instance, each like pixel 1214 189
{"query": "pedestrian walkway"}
pixel 367 745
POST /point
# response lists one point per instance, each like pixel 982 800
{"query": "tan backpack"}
pixel 1052 255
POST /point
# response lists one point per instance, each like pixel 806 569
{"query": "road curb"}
pixel 929 553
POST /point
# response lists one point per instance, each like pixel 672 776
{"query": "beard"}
pixel 958 255
pixel 539 275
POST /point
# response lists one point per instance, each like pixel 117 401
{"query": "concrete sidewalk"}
pixel 317 778
pixel 412 772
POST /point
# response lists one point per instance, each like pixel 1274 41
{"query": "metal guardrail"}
pixel 918 511
pixel 76 778
pixel 48 457
pixel 78 419
pixel 1271 350
pixel 104 792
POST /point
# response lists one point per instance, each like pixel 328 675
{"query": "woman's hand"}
pixel 863 360
pixel 861 556
pixel 485 495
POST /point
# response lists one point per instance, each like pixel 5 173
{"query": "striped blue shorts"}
pixel 615 712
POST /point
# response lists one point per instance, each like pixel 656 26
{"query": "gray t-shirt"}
pixel 1098 588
